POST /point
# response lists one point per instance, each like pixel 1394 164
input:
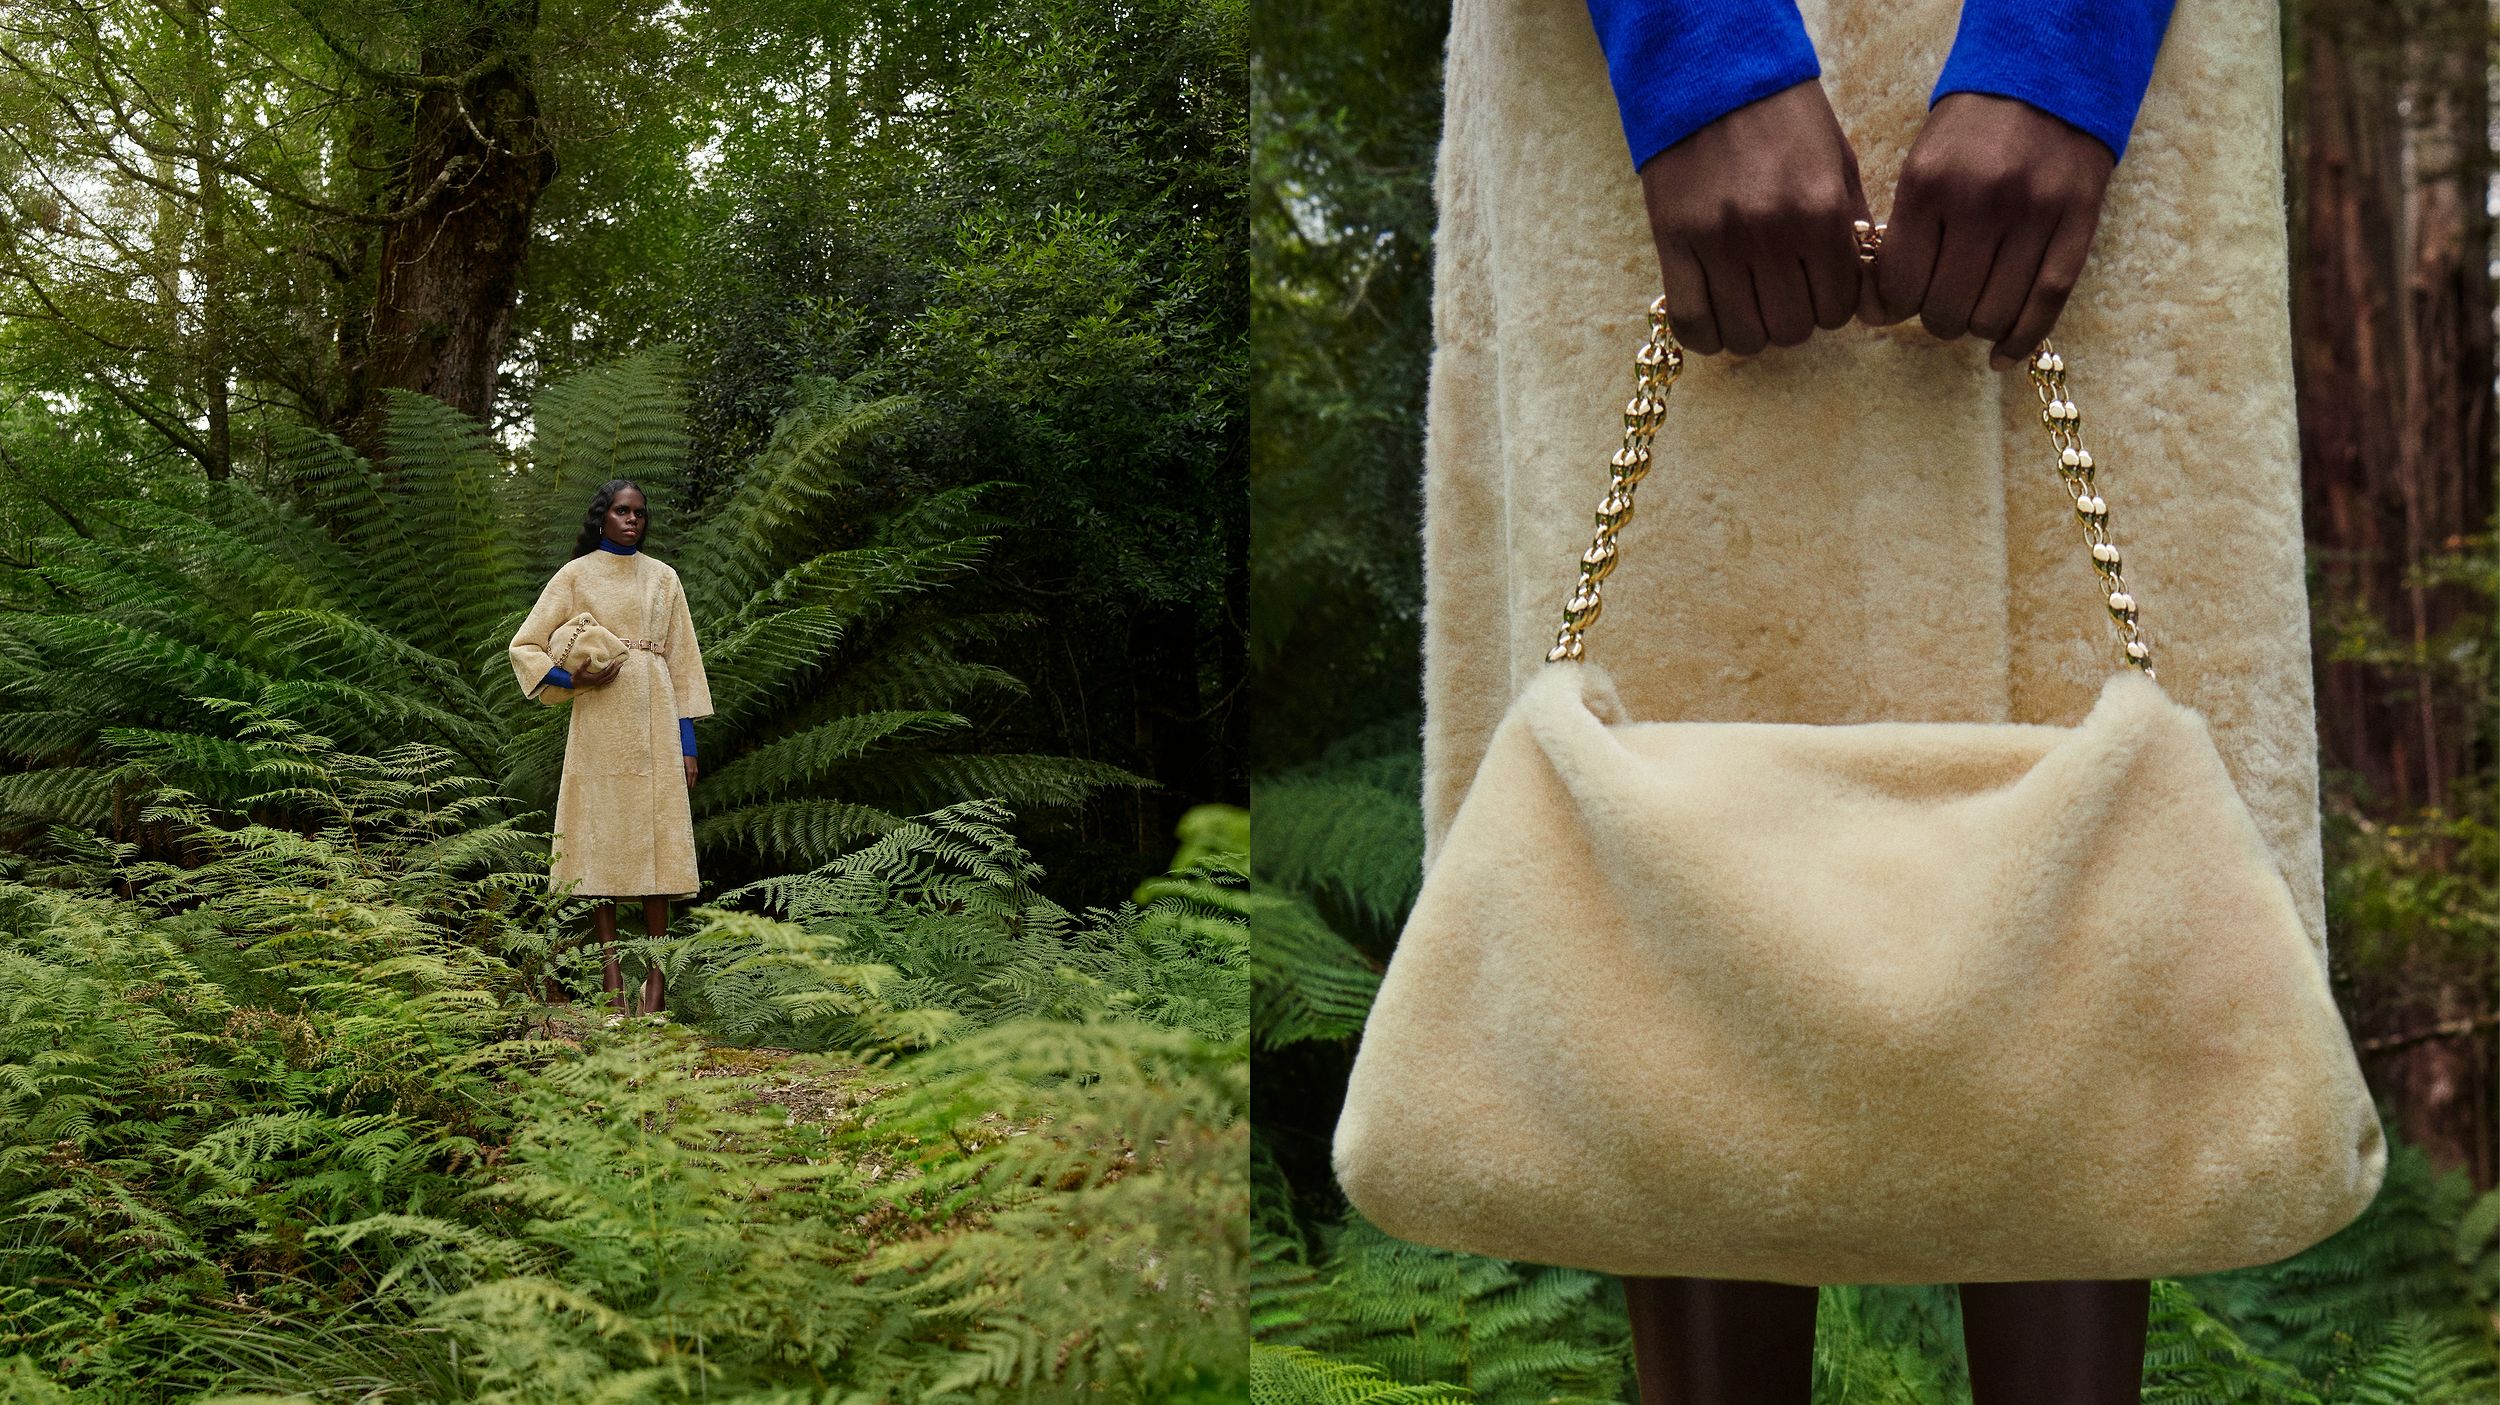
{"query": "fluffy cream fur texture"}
pixel 1867 528
pixel 1884 1003
pixel 624 822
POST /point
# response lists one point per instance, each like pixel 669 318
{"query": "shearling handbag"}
pixel 1890 1002
pixel 580 645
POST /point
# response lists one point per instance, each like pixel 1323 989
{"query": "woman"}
pixel 1862 525
pixel 624 822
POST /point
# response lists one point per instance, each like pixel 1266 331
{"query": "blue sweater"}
pixel 1678 65
pixel 563 679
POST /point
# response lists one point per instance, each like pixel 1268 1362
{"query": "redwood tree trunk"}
pixel 2392 307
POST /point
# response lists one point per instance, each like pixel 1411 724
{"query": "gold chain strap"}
pixel 1660 360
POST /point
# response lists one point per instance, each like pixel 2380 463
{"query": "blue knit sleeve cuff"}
pixel 1679 65
pixel 685 735
pixel 556 678
pixel 2087 64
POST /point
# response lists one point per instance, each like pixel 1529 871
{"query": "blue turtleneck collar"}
pixel 606 545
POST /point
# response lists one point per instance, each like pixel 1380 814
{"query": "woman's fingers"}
pixel 1907 261
pixel 2011 278
pixel 1833 268
pixel 1963 259
pixel 1781 292
pixel 1688 300
pixel 1992 221
pixel 2060 266
pixel 1751 218
pixel 1732 300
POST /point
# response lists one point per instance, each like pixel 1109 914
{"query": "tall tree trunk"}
pixel 208 134
pixel 2392 308
pixel 449 275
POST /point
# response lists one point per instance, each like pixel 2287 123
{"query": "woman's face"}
pixel 626 518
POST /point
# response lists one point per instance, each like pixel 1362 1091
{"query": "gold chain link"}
pixel 1660 360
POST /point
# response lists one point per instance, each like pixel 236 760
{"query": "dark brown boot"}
pixel 611 974
pixel 654 989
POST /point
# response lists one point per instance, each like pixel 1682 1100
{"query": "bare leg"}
pixel 1717 1341
pixel 611 976
pixel 655 922
pixel 2070 1342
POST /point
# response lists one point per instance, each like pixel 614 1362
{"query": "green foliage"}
pixel 1115 1156
pixel 207 1063
pixel 1042 1206
pixel 2418 1364
pixel 1027 217
pixel 2421 889
pixel 315 598
pixel 1347 121
pixel 1889 1345
pixel 1504 1332
pixel 2413 1254
pixel 1340 848
pixel 1347 831
pixel 273 1119
pixel 2192 1357
pixel 1291 1375
pixel 936 929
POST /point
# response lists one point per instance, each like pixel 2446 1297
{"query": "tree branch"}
pixel 392 78
pixel 2445 1029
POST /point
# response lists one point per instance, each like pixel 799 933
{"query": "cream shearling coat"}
pixel 1868 527
pixel 624 826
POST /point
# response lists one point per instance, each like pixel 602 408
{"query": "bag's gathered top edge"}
pixel 1660 360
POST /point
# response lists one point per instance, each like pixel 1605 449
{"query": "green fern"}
pixel 1349 833
pixel 1311 983
pixel 1505 1332
pixel 303 594
pixel 2400 1256
pixel 2192 1357
pixel 1289 1375
pixel 1116 1154
pixel 1889 1345
pixel 2421 1363
pixel 272 1121
pixel 936 927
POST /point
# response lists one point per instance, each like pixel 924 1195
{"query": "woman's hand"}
pixel 595 677
pixel 689 773
pixel 1753 219
pixel 1990 223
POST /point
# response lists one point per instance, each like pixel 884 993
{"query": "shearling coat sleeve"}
pixel 685 660
pixel 530 659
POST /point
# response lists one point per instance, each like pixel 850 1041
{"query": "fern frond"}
pixel 797 833
pixel 800 760
pixel 916 779
pixel 1309 982
pixel 1292 1375
pixel 814 450
pixel 626 419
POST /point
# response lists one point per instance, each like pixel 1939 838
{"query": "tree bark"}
pixel 216 323
pixel 2392 311
pixel 449 276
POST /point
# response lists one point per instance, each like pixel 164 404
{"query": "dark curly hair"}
pixel 595 520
